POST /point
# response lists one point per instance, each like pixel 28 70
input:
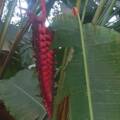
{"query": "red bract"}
pixel 42 39
pixel 75 11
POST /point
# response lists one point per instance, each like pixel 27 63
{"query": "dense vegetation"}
pixel 87 60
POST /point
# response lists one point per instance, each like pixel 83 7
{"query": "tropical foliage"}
pixel 87 77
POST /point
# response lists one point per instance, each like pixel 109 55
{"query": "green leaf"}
pixel 15 64
pixel 103 58
pixel 9 37
pixel 71 1
pixel 75 87
pixel 21 96
pixel 66 31
pixel 103 55
pixel 26 54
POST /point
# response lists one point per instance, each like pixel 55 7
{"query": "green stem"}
pixel 107 14
pixel 86 70
pixel 62 70
pixel 98 11
pixel 84 10
pixel 61 80
pixel 78 4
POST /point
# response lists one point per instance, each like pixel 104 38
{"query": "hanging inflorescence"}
pixel 42 39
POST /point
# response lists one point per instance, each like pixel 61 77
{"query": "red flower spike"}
pixel 45 64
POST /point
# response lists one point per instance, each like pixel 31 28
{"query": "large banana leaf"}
pixel 102 46
pixel 21 96
pixel 103 55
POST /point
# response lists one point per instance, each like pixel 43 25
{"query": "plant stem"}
pixel 84 10
pixel 107 14
pixel 78 3
pixel 98 11
pixel 62 76
pixel 86 70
